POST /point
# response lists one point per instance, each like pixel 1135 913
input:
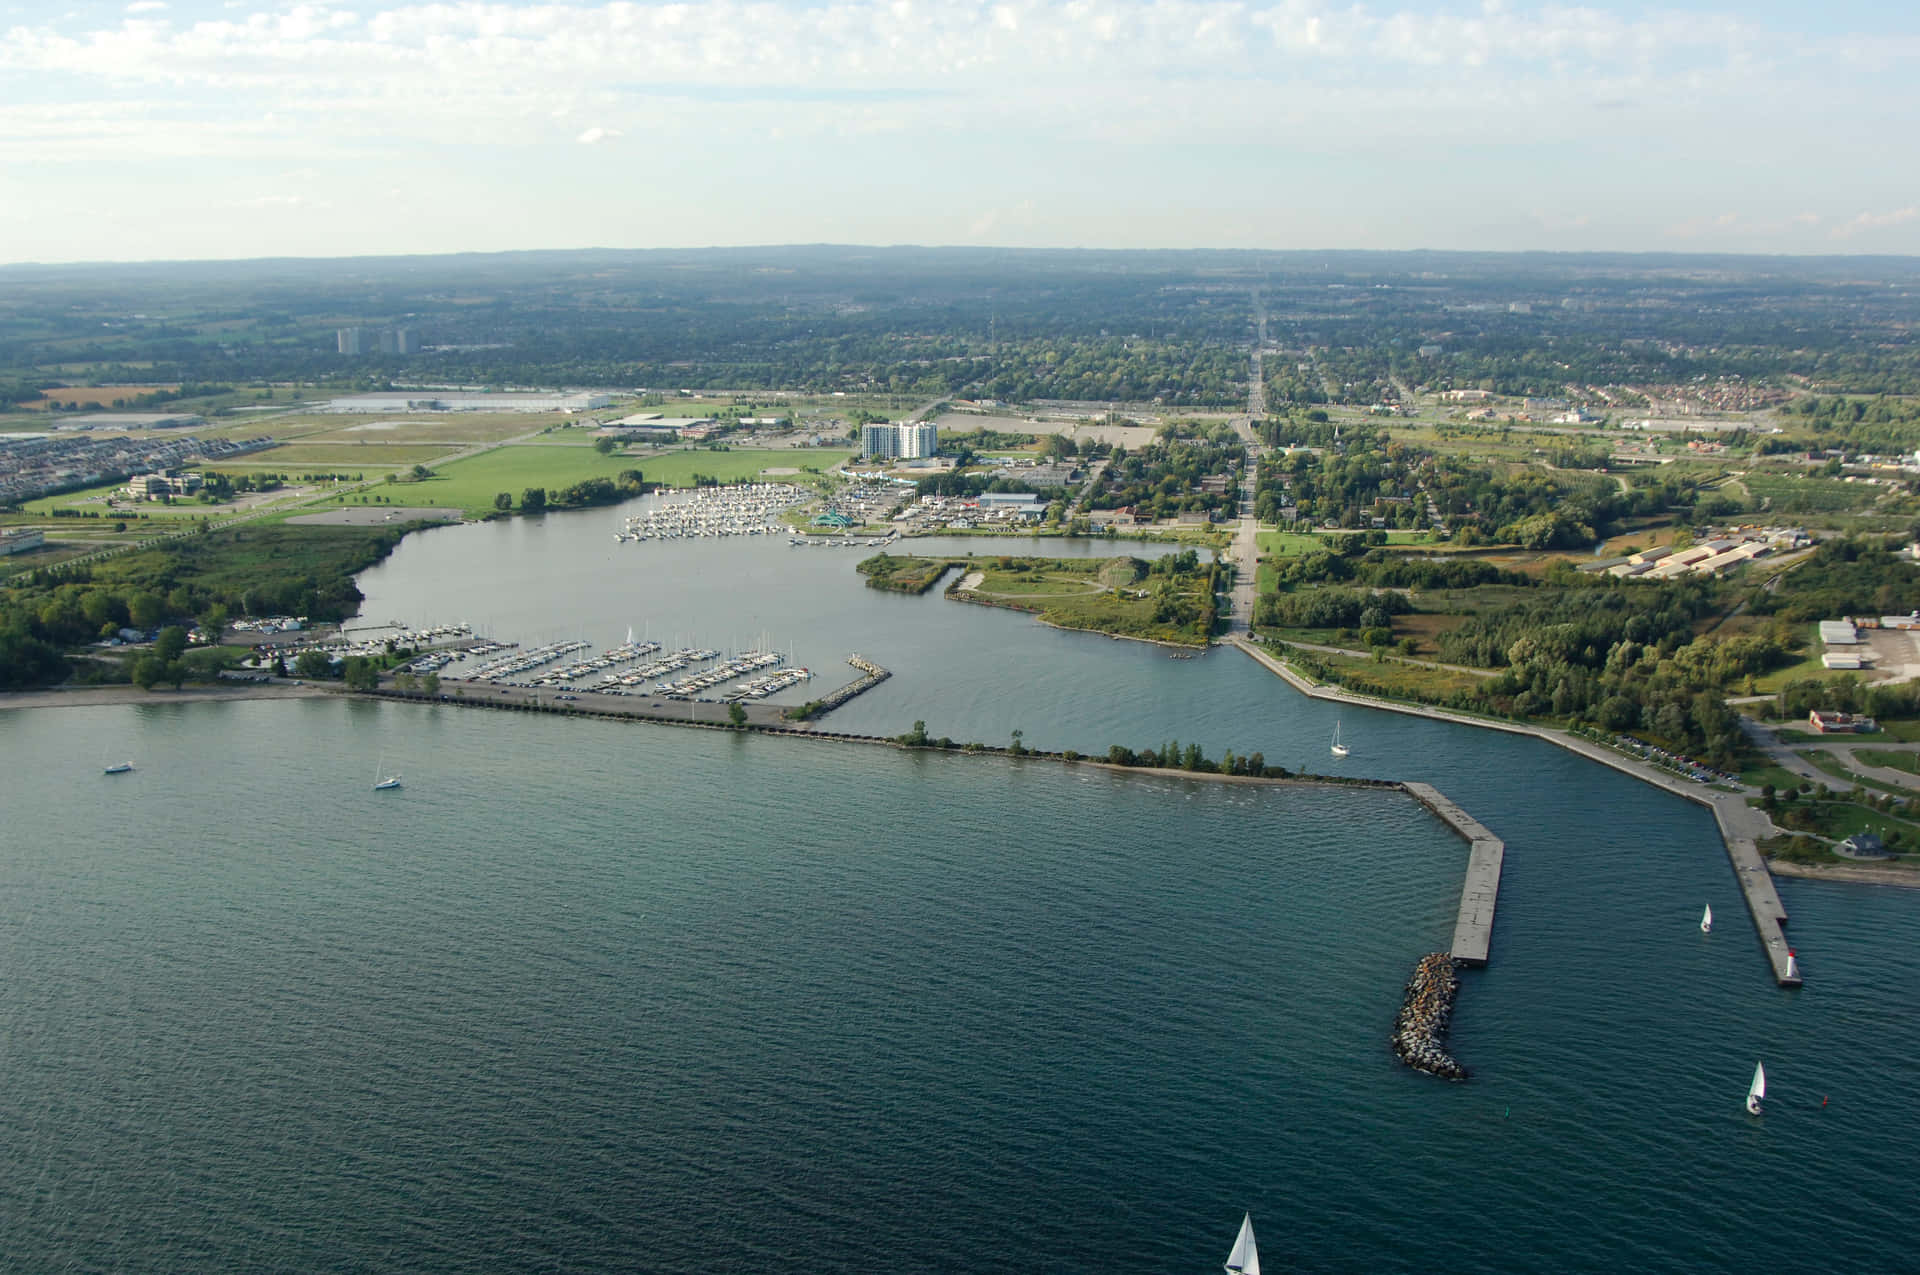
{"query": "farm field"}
pixel 1786 494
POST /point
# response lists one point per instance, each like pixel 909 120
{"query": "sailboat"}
pixel 1245 1258
pixel 118 768
pixel 1706 920
pixel 382 783
pixel 1339 749
pixel 1757 1090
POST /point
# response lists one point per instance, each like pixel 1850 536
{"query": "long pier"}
pixel 1473 927
pixel 1741 827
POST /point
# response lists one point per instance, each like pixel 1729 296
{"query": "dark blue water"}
pixel 586 995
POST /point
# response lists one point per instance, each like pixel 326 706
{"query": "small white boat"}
pixel 383 783
pixel 118 768
pixel 1245 1258
pixel 1757 1090
pixel 1706 920
pixel 1339 749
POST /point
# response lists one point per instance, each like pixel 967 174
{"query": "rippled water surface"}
pixel 586 995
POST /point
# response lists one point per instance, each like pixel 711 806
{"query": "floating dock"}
pixel 1473 927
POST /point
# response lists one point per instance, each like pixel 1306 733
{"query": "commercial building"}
pixel 1841 723
pixel 399 341
pixel 899 440
pixel 154 486
pixel 350 340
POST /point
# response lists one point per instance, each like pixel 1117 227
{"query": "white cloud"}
pixel 595 135
pixel 1869 221
pixel 147 6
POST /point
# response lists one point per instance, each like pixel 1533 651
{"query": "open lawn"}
pixel 471 484
pixel 1391 677
pixel 1114 595
pixel 1809 667
pixel 1286 542
pixel 1829 764
pixel 1909 762
pixel 336 457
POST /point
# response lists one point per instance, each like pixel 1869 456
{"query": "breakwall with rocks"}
pixel 1420 1031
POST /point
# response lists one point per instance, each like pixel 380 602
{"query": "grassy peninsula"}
pixel 1171 599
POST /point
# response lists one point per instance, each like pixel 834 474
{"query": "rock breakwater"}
pixel 1420 1032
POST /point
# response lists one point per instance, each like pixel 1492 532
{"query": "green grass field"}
pixel 1278 543
pixel 1909 762
pixel 471 484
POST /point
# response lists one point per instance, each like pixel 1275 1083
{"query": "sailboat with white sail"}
pixel 1245 1258
pixel 1339 749
pixel 382 783
pixel 1706 920
pixel 1757 1090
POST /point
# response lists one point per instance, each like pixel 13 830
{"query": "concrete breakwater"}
pixel 1741 826
pixel 1420 1032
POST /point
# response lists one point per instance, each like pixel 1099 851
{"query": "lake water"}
pixel 593 995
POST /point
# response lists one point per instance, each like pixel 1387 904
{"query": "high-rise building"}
pixel 351 340
pixel 399 341
pixel 901 440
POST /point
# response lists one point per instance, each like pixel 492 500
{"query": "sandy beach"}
pixel 93 696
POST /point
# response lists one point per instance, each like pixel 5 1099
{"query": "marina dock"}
pixel 1473 927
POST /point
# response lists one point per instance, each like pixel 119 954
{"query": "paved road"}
pixel 1789 759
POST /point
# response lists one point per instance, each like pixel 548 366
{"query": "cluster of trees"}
pixel 1172 756
pixel 271 570
pixel 1850 576
pixel 1163 478
pixel 1330 608
pixel 581 495
pixel 1362 473
pixel 951 482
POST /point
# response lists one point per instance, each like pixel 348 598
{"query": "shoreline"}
pixel 98 696
pixel 1847 873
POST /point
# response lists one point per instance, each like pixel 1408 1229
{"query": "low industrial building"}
pixel 20 539
pixel 1839 633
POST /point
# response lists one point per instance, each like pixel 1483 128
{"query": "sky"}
pixel 182 129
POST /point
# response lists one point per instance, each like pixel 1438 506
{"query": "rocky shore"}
pixel 1420 1032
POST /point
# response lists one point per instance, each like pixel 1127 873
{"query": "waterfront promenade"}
pixel 1741 826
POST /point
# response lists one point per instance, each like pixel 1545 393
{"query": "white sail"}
pixel 1245 1258
pixel 1339 749
pixel 1758 1089
pixel 1706 920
